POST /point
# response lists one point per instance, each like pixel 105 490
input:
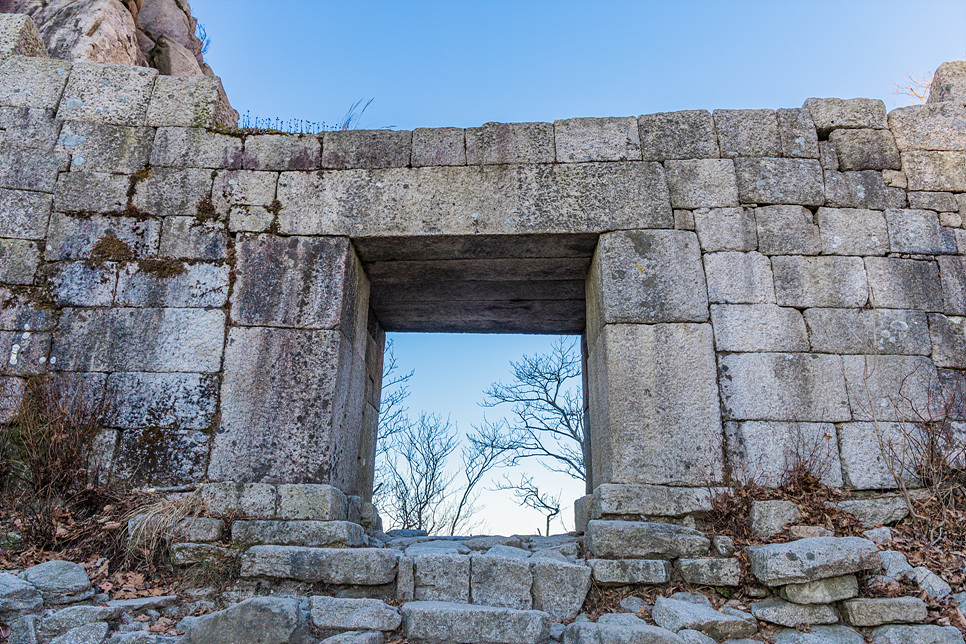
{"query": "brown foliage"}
pixel 111 249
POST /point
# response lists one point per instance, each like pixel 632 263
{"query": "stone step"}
pixel 644 540
pixel 344 566
pixel 805 560
pixel 467 624
pixel 314 534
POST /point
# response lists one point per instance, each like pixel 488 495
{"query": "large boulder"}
pixel 260 620
pixel 60 582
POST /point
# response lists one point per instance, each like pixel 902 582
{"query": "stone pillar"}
pixel 295 386
pixel 654 407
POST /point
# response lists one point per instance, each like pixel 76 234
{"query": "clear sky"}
pixel 463 63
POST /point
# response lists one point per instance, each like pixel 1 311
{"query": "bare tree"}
pixel 547 410
pixel 528 494
pixel 913 85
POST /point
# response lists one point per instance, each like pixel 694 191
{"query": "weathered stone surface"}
pixel 807 560
pixel 172 400
pixel 798 136
pixel 726 229
pixel 675 615
pixel 263 620
pixel 181 101
pixel 820 281
pixel 890 388
pixel 646 277
pixel 868 331
pixel 155 456
pixel 114 94
pixel 739 278
pixel 311 502
pixel 11 394
pixel 356 637
pixel 597 139
pixel 820 635
pixel 948 83
pixel 865 149
pixel 500 581
pixel 32 82
pixel 861 189
pixel 702 183
pixel 171 283
pixel 758 327
pixel 927 634
pixel 187 340
pixel 710 572
pixel 367 149
pixel 438 146
pixel 931 583
pixel 765 386
pixel 948 340
pixel 442 577
pixel 559 587
pixel 195 148
pixel 76 616
pixel 353 614
pixel 678 135
pixel 869 453
pixel 467 624
pixel 836 113
pixel 612 500
pixel 314 534
pixel 363 566
pixel 83 283
pixel 502 143
pixel 822 591
pixel 641 371
pixel 25 127
pixel 282 152
pixel 780 181
pixel 929 127
pixel 876 612
pixel 608 633
pixel 23 168
pixel 787 230
pixel 783 613
pixel 60 582
pixel 19 36
pixel 952 271
pixel 301 282
pixel 19 259
pixel 97 147
pixel 24 214
pixel 189 529
pixel 263 388
pixel 747 133
pixel 189 238
pixel 642 540
pixel 905 283
pixel 17 596
pixel 23 353
pixel 913 231
pixel 938 201
pixel 87 192
pixel 620 572
pixel 88 634
pixel 255 500
pixel 937 171
pixel 173 191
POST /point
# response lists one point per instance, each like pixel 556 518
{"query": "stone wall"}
pixel 753 286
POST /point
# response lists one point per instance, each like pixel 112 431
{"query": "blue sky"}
pixel 463 63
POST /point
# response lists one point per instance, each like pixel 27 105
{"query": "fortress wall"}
pixel 756 288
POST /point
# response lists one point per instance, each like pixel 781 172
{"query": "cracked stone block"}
pixel 183 340
pixel 189 238
pixel 913 231
pixel 811 559
pixel 758 327
pixel 83 283
pixel 797 132
pixel 27 127
pixel 560 587
pixel 24 215
pixel 801 386
pixel 501 581
pixel 883 387
pixel 23 353
pixel 929 127
pixel 266 392
pixel 721 229
pixel 98 147
pixel 597 139
pixel 847 231
pixel 183 101
pixel 766 451
pixel 195 148
pixel 500 143
pixel 173 191
pixel 780 181
pixel 91 192
pixel 79 237
pixel 868 331
pixel 166 400
pixel 747 133
pixel 820 281
pixel 438 146
pixel 905 283
pixel 853 113
pixel 865 150
pixel 702 183
pixel 106 93
pixel 787 230
pixel 282 152
pixel 442 577
pixel 661 422
pixel 32 82
pixel 687 134
pixel 739 278
pixel 170 283
pixel 19 259
pixel 245 188
pixel 862 189
pixel 158 456
pixel 937 171
pixel 369 149
pixel 23 168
